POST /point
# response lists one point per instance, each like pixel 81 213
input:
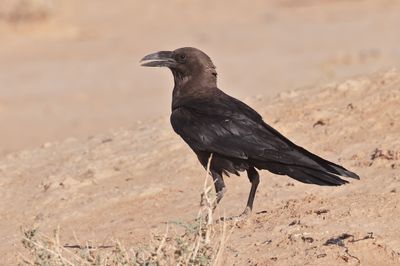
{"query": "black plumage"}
pixel 212 122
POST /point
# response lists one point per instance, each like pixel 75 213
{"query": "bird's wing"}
pixel 226 126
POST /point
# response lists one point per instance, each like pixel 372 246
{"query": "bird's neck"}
pixel 189 85
pixel 180 80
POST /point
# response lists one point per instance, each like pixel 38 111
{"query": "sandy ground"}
pixel 69 81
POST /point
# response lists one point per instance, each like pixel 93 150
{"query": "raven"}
pixel 214 123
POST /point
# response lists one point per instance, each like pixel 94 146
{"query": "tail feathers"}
pixel 343 171
pixel 312 176
pixel 304 174
pixel 319 177
pixel 329 166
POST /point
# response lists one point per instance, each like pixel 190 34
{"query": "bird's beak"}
pixel 159 59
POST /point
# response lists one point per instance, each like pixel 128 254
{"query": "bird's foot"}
pixel 207 201
pixel 211 201
pixel 238 218
pixel 203 201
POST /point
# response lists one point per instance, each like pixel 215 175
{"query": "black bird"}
pixel 212 122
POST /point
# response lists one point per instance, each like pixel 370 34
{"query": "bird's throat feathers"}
pixel 200 83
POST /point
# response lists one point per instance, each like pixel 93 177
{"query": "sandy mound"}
pixel 123 184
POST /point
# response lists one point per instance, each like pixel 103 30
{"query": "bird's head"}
pixel 184 62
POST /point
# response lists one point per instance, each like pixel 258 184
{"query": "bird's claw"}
pixel 208 202
pixel 238 218
pixel 203 200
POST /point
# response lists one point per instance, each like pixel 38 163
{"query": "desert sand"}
pixel 86 144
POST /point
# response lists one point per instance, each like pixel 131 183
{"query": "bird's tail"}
pixel 304 174
pixel 313 176
pixel 310 168
pixel 316 171
pixel 327 165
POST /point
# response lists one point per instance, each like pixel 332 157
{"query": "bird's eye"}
pixel 182 56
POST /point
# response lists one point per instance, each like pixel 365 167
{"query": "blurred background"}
pixel 70 68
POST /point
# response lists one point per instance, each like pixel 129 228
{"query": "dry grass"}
pixel 202 242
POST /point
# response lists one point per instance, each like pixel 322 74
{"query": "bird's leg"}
pixel 219 187
pixel 254 180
